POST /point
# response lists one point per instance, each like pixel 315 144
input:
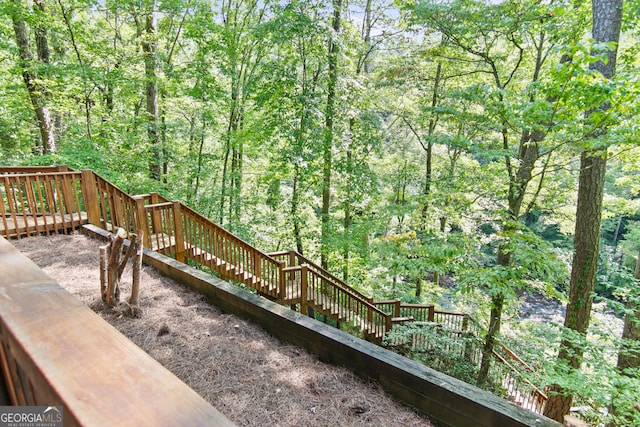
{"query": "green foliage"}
pixel 438 348
pixel 598 387
pixel 458 84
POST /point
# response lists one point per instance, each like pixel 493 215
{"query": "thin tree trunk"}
pixel 196 188
pixel 346 240
pixel 295 202
pixel 429 147
pixel 327 146
pixel 35 86
pixel 495 321
pixel 87 93
pixel 149 48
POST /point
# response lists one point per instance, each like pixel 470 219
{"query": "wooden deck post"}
pixel 179 236
pixel 388 323
pixel 292 263
pixel 282 281
pixel 303 289
pixel 142 222
pixel 432 312
pixel 156 222
pixel 396 308
pixel 257 269
pixel 90 198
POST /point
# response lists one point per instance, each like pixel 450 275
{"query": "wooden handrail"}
pixel 98 376
pixel 336 279
pixel 400 309
pixel 33 169
pixel 201 234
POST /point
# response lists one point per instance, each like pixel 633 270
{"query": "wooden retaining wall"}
pixel 444 399
pixel 55 351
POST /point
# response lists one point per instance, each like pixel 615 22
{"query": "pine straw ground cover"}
pixel 251 377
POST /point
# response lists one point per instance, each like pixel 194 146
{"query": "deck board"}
pixel 27 224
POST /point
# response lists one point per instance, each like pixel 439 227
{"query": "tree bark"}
pixel 137 268
pixel 327 145
pixel 149 48
pixel 607 18
pixel 429 148
pixel 34 83
pixel 113 266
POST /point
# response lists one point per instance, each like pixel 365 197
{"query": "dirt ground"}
pixel 248 375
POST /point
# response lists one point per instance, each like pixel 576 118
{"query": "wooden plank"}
pixel 30 224
pixel 73 358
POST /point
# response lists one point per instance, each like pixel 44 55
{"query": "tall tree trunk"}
pixel 149 48
pixel 295 204
pixel 518 182
pixel 495 321
pixel 232 158
pixel 34 83
pixel 327 145
pixel 346 239
pixel 519 179
pixel 429 147
pixel 364 65
pixel 607 18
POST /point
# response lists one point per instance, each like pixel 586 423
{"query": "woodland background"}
pixel 399 143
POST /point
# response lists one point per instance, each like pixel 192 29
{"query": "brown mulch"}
pixel 251 377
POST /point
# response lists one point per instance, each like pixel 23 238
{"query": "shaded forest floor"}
pixel 251 377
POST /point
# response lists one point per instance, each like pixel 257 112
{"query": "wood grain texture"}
pixel 69 356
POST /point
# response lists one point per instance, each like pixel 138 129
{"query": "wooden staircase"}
pixel 35 200
pixel 58 200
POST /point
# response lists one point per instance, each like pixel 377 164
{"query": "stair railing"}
pixel 293 258
pixel 377 319
pixel 56 199
pixel 252 266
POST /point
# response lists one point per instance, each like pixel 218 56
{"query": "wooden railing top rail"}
pixel 98 376
pixel 158 205
pixel 33 169
pixel 36 203
pixel 38 175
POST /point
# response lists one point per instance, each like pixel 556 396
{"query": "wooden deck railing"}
pixel 4 170
pixel 235 259
pixel 56 199
pixel 314 290
pixel 174 229
pixel 294 258
pixel 48 202
pixel 333 297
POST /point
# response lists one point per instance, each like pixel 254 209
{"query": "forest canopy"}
pixel 424 150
